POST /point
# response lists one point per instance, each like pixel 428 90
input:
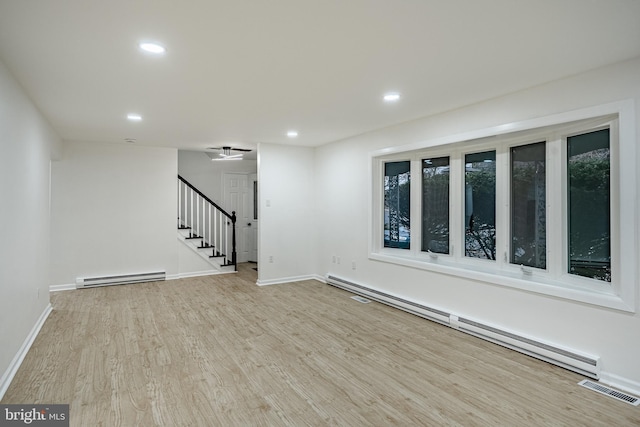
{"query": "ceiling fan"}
pixel 226 153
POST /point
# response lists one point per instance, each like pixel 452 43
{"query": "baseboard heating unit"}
pixel 124 279
pixel 568 359
pixel 403 304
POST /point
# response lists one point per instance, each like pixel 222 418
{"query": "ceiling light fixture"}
pixel 292 133
pixel 392 97
pixel 152 48
pixel 224 157
pixel 226 153
pixel 134 117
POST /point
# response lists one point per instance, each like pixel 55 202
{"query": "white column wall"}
pixel 114 211
pixel 27 143
pixel 343 182
pixel 286 213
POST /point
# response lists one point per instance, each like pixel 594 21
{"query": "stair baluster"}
pixel 212 229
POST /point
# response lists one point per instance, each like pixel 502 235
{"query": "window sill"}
pixel 525 282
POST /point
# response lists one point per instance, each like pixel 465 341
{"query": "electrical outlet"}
pixel 338 260
pixel 333 259
pixel 270 259
pixel 353 265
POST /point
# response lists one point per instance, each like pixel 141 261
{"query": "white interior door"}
pixel 237 197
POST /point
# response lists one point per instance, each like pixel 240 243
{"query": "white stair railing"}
pixel 208 222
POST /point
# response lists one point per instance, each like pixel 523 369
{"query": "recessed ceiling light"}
pixel 292 133
pixel 152 48
pixel 134 117
pixel 392 97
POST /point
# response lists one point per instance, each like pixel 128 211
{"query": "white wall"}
pixel 207 176
pixel 113 211
pixel 343 181
pixel 26 145
pixel 286 213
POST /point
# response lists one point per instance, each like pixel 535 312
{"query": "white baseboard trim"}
pixel 11 371
pixel 72 286
pixel 58 288
pixel 290 280
pixel 620 383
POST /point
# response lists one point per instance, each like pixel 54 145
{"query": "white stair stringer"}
pixel 198 259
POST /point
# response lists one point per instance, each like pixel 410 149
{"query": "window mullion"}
pixel 556 206
pixel 377 203
pixel 456 207
pixel 502 207
pixel 615 205
pixel 416 207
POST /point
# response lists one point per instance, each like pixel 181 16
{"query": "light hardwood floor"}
pixel 221 351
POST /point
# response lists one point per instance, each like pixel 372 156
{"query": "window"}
pixel 255 200
pixel 397 205
pixel 480 205
pixel 589 193
pixel 538 209
pixel 528 206
pixel 435 205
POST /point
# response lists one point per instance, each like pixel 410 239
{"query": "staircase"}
pixel 206 227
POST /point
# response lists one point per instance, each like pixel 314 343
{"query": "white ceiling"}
pixel 240 72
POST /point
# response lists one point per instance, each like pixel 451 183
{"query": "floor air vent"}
pixel 610 392
pixel 92 282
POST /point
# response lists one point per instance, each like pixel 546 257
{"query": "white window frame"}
pixel 419 196
pixel 554 280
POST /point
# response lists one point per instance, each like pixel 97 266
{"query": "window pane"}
pixel 397 182
pixel 480 205
pixel 528 207
pixel 435 205
pixel 588 181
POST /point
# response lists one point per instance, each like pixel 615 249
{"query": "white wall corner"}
pixel 64 287
pixel 282 280
pixel 11 371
